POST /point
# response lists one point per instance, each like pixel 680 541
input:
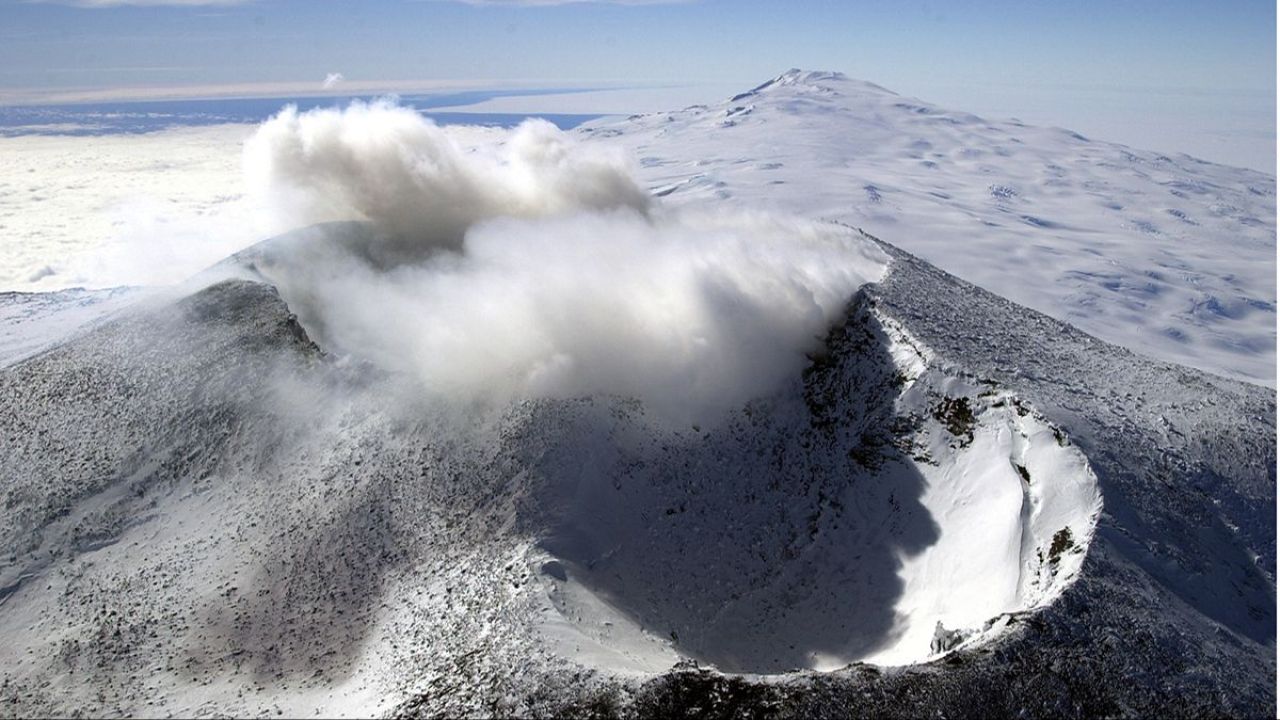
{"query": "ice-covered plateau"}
pixel 957 505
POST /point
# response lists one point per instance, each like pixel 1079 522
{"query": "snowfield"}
pixel 1173 257
pixel 500 432
pixel 1169 256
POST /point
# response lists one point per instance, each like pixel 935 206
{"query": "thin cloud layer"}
pixel 144 3
pixel 548 3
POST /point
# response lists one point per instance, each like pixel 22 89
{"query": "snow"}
pixel 996 528
pixel 205 513
pixel 1167 255
pixel 32 322
pixel 1170 256
pixel 990 556
pixel 301 534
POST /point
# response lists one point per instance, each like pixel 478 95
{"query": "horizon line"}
pixel 308 89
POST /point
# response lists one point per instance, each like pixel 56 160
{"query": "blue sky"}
pixel 1012 58
pixel 1171 43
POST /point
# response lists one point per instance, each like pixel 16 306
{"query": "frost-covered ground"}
pixel 32 322
pixel 206 515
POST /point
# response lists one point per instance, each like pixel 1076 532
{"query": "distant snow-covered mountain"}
pixel 1172 257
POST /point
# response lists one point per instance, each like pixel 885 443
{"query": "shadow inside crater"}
pixel 769 543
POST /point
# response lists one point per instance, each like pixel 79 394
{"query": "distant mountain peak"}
pixel 824 80
pixel 796 76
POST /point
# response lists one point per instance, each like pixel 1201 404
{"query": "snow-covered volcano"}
pixel 205 514
pixel 1172 257
pixel 253 494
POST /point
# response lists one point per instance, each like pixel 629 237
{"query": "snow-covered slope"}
pixel 31 322
pixel 929 500
pixel 1172 257
pixel 205 514
pixel 896 500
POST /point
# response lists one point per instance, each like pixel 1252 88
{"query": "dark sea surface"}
pixel 135 117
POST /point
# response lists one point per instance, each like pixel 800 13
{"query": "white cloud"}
pixel 388 164
pixel 539 267
pixel 122 209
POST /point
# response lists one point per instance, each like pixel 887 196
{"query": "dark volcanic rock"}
pixel 1174 612
pixel 204 514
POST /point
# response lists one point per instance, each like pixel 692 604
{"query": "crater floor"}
pixel 914 511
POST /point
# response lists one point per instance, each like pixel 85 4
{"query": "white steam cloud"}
pixel 540 267
pixel 389 165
